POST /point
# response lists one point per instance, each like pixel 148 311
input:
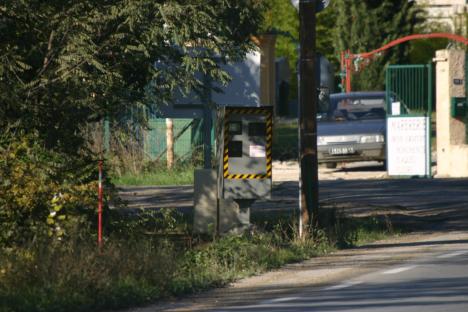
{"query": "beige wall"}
pixel 452 150
pixel 444 10
pixel 267 44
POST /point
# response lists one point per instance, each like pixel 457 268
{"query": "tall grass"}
pixel 132 272
pixel 135 268
pixel 158 176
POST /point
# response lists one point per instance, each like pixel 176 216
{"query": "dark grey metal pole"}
pixel 307 115
pixel 207 125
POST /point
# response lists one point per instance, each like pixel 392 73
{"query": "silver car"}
pixel 353 128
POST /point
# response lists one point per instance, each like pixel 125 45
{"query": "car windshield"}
pixel 355 108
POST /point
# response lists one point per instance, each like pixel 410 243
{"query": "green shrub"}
pixel 42 193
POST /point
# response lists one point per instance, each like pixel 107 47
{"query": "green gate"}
pixel 412 86
pixel 409 97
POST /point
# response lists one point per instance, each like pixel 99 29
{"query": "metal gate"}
pixel 409 96
pixel 412 86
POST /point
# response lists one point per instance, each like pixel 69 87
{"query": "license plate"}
pixel 345 150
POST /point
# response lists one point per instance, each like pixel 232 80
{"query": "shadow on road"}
pixel 413 244
pixel 364 168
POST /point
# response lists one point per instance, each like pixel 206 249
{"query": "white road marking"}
pixel 344 285
pixel 277 300
pixel 399 270
pixel 453 254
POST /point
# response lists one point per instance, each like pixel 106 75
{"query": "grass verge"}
pixel 285 140
pixel 159 176
pixel 136 268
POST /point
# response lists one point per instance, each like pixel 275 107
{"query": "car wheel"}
pixel 331 165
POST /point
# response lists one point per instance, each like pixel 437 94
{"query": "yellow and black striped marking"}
pixel 226 144
pixel 269 141
pixel 247 176
pixel 248 110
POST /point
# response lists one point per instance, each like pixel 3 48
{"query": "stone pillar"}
pixel 267 44
pixel 205 202
pixel 452 150
pixel 212 215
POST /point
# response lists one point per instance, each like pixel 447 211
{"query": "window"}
pixel 257 129
pixel 235 127
pixel 235 149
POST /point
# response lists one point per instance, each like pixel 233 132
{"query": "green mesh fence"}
pixel 188 142
pixel 150 143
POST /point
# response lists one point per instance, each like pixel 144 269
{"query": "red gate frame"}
pixel 347 58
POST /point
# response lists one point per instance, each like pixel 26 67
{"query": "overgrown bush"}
pixel 42 192
pixel 138 268
pixel 146 257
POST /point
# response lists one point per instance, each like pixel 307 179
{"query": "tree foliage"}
pixel 42 193
pixel 359 26
pixel 363 26
pixel 282 18
pixel 67 63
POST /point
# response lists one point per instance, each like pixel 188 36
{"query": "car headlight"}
pixel 321 141
pixel 372 138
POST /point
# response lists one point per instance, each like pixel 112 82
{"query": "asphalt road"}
pixel 438 282
pixel 413 273
pixel 427 274
pixel 414 193
pixel 444 200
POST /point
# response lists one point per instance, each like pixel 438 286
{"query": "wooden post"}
pixel 170 143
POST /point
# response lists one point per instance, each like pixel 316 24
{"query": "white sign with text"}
pixel 408 146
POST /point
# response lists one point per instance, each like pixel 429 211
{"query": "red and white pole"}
pixel 100 194
pixel 349 68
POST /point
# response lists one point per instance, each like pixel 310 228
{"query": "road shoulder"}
pixel 316 272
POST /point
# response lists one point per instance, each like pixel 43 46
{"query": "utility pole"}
pixel 207 124
pixel 308 102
